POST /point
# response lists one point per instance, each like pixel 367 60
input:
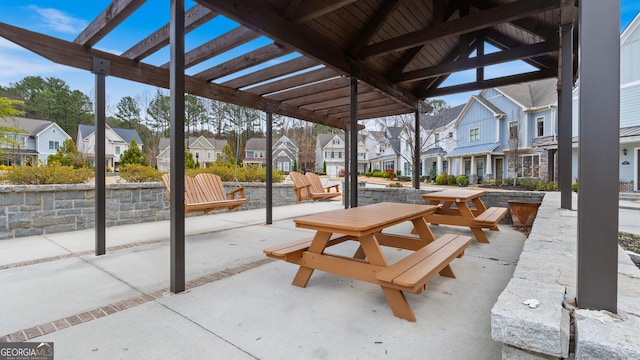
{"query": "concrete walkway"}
pixel 239 304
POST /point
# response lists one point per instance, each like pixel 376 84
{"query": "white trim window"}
pixel 474 134
pixel 540 126
pixel 514 128
pixel 529 166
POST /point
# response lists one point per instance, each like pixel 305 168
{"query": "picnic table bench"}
pixel 365 224
pixel 453 209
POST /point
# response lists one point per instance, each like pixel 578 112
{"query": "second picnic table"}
pixel 476 217
pixel 364 224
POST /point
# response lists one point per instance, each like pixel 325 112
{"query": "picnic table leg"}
pixel 421 227
pixel 477 231
pixel 359 254
pixel 318 244
pixel 398 304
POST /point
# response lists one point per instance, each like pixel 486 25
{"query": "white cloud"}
pixel 59 21
pixel 6 44
pixel 14 67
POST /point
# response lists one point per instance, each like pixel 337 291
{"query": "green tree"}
pixel 127 113
pixel 195 113
pixel 189 163
pixel 52 99
pixel 159 115
pixel 227 156
pixel 133 155
pixel 68 155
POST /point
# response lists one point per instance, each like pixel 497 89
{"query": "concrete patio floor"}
pixel 239 304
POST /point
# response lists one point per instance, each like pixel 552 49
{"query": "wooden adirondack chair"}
pixel 319 191
pixel 206 194
pixel 300 186
pixel 309 187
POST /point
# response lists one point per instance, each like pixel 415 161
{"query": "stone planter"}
pixel 523 212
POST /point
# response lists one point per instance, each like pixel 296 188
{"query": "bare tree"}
pixel 514 148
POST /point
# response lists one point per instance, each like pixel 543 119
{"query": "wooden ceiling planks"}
pixel 401 50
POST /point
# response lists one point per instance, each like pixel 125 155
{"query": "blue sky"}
pixel 66 19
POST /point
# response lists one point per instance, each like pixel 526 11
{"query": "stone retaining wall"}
pixel 551 327
pixel 413 196
pixel 27 210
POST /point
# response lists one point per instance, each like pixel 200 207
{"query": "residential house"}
pixel 284 152
pixel 32 141
pixel 629 158
pixel 330 154
pixel 507 132
pixel 373 139
pixel 205 151
pixel 389 156
pixel 116 142
pixel 438 136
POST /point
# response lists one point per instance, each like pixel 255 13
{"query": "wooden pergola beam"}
pixel 80 57
pixel 317 88
pixel 217 46
pixel 372 28
pixel 464 25
pixel 193 18
pixel 309 10
pixel 328 104
pixel 519 53
pixel 244 61
pixel 108 19
pixel 262 18
pixel 293 81
pixel 282 69
pixel 343 111
pixel 486 84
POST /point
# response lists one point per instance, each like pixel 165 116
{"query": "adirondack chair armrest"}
pixel 240 190
pixel 336 186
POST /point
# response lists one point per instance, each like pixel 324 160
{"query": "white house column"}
pixel 461 166
pixel 439 165
pixel 488 166
pixel 473 176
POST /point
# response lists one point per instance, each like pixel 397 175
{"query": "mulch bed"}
pixel 629 242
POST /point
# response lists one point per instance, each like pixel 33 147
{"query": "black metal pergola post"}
pixel 416 150
pixel 177 87
pixel 269 159
pixel 599 129
pixel 565 119
pixel 101 69
pixel 353 142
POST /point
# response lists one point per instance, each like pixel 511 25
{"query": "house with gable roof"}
pixel 32 141
pixel 205 151
pixel 330 152
pixel 629 152
pixel 439 134
pixel 284 152
pixel 510 122
pixel 116 142
pixel 389 154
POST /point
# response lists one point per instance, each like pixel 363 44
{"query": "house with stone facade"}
pixel 283 150
pixel 29 141
pixel 507 132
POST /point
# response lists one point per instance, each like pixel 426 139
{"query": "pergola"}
pixel 363 59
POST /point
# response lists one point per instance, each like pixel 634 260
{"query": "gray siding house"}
pixel 32 142
pixel 284 152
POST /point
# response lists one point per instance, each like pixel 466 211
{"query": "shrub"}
pixel 139 173
pixel 462 180
pixel 394 185
pixel 451 180
pixel 541 186
pixel 403 178
pixel 53 173
pixel 552 186
pixel 134 155
pixel 441 179
pixel 574 186
pixel 229 172
pixel 378 173
pixel 5 167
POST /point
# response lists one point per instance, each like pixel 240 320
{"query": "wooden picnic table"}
pixel 476 217
pixel 364 224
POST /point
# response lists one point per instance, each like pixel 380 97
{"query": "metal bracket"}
pixel 271 107
pixel 101 66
